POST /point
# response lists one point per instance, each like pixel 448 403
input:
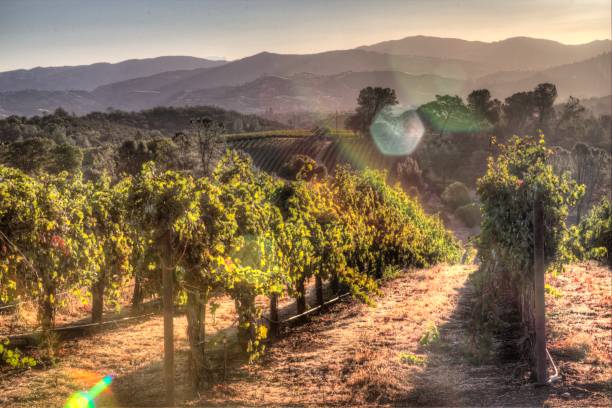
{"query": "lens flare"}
pixel 397 130
pixel 86 399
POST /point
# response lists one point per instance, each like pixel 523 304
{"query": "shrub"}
pixel 595 233
pixel 409 173
pixel 302 167
pixel 456 195
pixel 469 214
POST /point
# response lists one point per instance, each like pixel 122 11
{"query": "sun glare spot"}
pixel 397 130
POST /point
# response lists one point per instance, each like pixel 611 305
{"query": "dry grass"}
pixel 352 354
pixel 580 329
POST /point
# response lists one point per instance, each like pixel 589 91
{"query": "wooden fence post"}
pixel 540 312
pixel 319 290
pixel 168 300
pixel 300 300
pixel 274 314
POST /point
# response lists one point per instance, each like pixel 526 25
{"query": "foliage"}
pixel 371 101
pixel 456 195
pixel 507 192
pixel 469 214
pixel 412 359
pixel 13 357
pixel 430 336
pixel 450 114
pixel 590 167
pixel 302 167
pixel 595 233
pixel 114 240
pixel 46 247
pixel 36 155
pixel 482 106
pixel 514 180
pixel 238 232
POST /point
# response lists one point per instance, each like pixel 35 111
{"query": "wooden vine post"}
pixel 300 299
pixel 540 312
pixel 274 314
pixel 319 289
pixel 168 305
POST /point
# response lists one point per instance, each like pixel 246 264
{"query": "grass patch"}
pixel 430 336
pixel 391 272
pixel 552 291
pixel 412 359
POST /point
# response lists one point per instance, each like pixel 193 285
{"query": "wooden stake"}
pixel 319 289
pixel 540 312
pixel 168 290
pixel 224 358
pixel 274 314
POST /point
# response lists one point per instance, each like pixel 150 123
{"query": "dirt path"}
pixel 354 354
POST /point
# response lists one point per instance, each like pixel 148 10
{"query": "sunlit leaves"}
pixel 240 233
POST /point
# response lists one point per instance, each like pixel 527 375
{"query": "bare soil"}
pixel 354 354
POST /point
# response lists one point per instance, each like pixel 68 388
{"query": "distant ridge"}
pixel 509 54
pixel 418 68
pixel 89 77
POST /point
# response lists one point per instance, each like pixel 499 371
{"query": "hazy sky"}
pixel 70 32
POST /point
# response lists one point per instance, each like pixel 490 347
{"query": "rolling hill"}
pixel 89 77
pixel 323 93
pixel 509 54
pixel 153 90
pixel 418 68
pixel 585 79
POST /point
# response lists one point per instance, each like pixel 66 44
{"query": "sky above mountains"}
pixel 73 32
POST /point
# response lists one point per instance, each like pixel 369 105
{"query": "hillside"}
pixel 113 127
pixel 323 93
pixel 509 54
pixel 89 77
pixel 599 106
pixel 151 91
pixel 418 68
pixel 584 79
pixel 36 102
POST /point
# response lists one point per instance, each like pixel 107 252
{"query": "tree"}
pixel 409 173
pixel 544 96
pixel 164 152
pixel 570 111
pixel 449 113
pixel 209 141
pixel 30 155
pixel 131 156
pixel 65 157
pixel 590 168
pixel 572 123
pixel 518 111
pixel 480 102
pixel 370 102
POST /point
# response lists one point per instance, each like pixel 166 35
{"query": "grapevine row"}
pixel 240 233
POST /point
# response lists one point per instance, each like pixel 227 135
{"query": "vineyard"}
pixel 229 251
pixel 270 152
pixel 238 233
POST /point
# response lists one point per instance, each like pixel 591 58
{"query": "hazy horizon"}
pixel 33 34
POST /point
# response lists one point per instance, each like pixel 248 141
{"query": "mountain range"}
pixel 89 77
pixel 418 68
